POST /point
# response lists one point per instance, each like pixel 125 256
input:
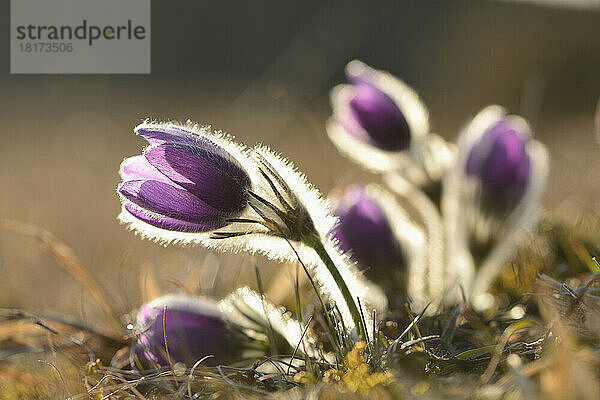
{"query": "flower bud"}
pixel 378 110
pixel 501 164
pixel 201 187
pixel 380 123
pixel 491 201
pixel 376 119
pixel 183 182
pixel 193 328
pixel 367 235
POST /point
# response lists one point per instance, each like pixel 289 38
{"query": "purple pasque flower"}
pixel 491 200
pixel 500 162
pixel 194 329
pixel 201 187
pixel 364 230
pixel 375 118
pixel 198 185
pixel 183 182
pixel 380 123
pixel 377 109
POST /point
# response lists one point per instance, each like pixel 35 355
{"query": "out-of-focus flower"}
pixel 194 185
pixel 501 171
pixel 365 232
pixel 374 118
pixel 381 237
pixel 501 164
pixel 491 198
pixel 380 123
pixel 186 329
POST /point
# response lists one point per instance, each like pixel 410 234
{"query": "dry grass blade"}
pixel 65 258
pixel 22 330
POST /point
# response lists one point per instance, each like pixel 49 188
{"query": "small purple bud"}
pixel 364 231
pixel 380 117
pixel 184 182
pixel 500 161
pixel 195 328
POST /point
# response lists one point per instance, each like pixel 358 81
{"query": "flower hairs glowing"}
pixel 190 158
pixel 254 315
pixel 426 284
pixel 193 185
pixel 164 191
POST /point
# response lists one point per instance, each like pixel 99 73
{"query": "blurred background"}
pixel 262 71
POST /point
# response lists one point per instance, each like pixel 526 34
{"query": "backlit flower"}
pixel 186 329
pixel 382 238
pixel 380 123
pixel 492 198
pixel 194 185
pixel 364 230
pixel 183 182
pixel 501 164
pixel 376 119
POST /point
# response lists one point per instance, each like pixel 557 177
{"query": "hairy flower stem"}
pixel 315 243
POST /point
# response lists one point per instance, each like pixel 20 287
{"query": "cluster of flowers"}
pixel 451 216
pixel 470 202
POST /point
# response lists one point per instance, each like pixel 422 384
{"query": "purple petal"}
pixel 165 222
pixel 380 117
pixel 159 133
pixel 501 163
pixel 191 335
pixel 364 230
pixel 204 169
pixel 137 167
pixel 171 201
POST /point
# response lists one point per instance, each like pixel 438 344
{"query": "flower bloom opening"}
pixel 194 328
pixel 183 182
